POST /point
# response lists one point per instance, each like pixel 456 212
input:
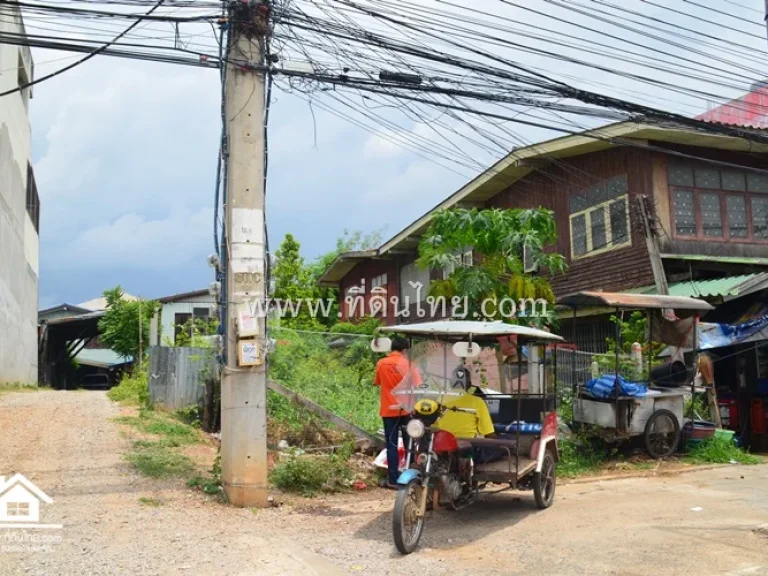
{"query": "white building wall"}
pixel 18 239
pixel 167 318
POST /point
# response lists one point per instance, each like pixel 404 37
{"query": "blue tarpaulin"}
pixel 752 326
pixel 604 387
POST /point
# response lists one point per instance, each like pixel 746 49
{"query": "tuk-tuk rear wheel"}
pixel 544 482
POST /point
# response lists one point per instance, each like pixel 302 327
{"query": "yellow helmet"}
pixel 426 407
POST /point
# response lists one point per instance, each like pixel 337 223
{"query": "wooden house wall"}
pixel 550 187
pixel 711 246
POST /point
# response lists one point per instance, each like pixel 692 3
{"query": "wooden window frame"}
pixel 609 245
pixel 726 238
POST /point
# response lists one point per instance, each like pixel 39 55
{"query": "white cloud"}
pixel 136 241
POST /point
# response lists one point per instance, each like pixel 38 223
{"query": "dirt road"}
pixel 67 444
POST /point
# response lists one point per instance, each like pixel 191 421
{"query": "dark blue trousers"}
pixel 392 427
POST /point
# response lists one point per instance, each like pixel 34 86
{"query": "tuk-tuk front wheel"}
pixel 407 523
pixel 544 482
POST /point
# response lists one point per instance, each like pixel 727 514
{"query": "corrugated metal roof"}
pixel 462 328
pixel 632 301
pixel 724 259
pixel 100 357
pixel 727 287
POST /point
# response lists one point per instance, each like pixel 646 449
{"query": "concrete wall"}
pixel 18 238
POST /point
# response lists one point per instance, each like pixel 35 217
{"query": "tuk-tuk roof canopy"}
pixel 632 301
pixel 466 328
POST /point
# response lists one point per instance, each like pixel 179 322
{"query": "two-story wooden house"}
pixel 707 206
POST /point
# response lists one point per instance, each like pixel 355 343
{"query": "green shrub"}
pixel 133 389
pixel 189 415
pixel 308 475
pixel 580 455
pixel 720 450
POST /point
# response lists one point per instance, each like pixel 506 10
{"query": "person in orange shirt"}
pixel 390 372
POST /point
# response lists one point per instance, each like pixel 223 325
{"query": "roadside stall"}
pixel 621 407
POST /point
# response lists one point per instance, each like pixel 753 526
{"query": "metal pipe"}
pixel 519 405
pixel 650 344
pixel 616 367
pixel 574 387
pixel 693 380
pixel 554 369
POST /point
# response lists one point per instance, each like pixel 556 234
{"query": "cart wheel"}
pixel 544 482
pixel 662 434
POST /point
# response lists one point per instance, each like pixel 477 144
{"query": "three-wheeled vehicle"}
pixel 654 409
pixel 448 360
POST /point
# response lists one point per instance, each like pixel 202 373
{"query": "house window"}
pixel 18 509
pixel 201 313
pixel 460 259
pixel 529 264
pixel 33 200
pixel 411 274
pixel 379 281
pixel 760 217
pixel 599 218
pixel 180 324
pixel 708 203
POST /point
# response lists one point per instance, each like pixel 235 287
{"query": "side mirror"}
pixel 381 345
pixel 466 349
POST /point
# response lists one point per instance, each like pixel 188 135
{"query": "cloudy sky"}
pixel 125 157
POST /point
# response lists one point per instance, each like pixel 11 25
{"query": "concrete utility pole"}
pixel 244 381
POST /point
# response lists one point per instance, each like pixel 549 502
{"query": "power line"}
pixel 86 58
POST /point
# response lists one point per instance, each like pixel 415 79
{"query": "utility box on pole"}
pixel 244 379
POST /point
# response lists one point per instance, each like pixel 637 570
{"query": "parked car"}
pixel 96 381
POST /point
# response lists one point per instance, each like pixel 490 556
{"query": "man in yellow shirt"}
pixel 464 424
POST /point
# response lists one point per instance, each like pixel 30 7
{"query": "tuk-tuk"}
pixel 478 370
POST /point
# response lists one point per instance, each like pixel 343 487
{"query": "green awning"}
pixel 728 287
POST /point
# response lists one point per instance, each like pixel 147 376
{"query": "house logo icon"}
pixel 20 503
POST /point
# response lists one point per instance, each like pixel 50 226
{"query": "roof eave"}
pixel 342 265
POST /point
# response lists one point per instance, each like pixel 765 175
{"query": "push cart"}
pixel 654 413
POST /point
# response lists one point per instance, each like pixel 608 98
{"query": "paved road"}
pixel 68 445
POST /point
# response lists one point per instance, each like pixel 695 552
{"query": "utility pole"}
pixel 244 378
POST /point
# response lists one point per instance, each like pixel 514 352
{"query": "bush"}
pixel 719 450
pixel 308 475
pixel 133 388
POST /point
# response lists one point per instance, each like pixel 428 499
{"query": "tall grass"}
pixel 340 380
pixel 719 450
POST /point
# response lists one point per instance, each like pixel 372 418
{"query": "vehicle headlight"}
pixel 415 428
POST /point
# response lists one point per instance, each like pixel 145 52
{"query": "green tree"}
pixel 119 327
pixel 293 282
pixel 349 242
pixel 498 239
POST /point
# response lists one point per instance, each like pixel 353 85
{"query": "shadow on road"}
pixel 448 529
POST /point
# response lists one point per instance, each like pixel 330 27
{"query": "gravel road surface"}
pixel 707 523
